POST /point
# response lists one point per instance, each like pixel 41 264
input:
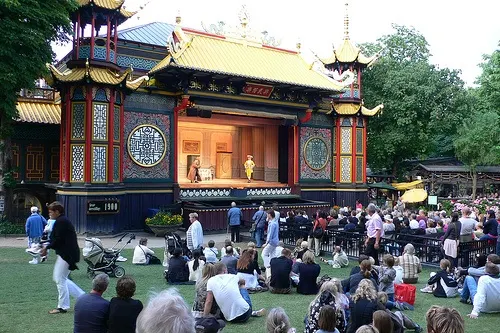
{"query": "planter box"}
pixel 161 230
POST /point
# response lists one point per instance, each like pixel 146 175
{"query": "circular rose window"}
pixel 316 153
pixel 146 145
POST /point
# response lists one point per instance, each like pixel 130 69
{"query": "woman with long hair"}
pixel 450 240
pixel 325 296
pixel 248 269
pixel 352 282
pixel 363 304
pixel 383 321
pixel 278 322
pixel 201 293
pixel 196 266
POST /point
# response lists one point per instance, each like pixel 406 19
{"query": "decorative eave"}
pixel 346 108
pixel 97 75
pixel 109 5
pixel 372 112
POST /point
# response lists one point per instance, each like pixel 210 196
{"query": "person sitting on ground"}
pixel 304 247
pixel 488 292
pixel 231 295
pixel 399 271
pixel 357 268
pixel 340 259
pixel 400 320
pixel 442 283
pixel 281 268
pixel 227 243
pixel 252 246
pixel 279 248
pixel 364 303
pixel 211 252
pixel 142 253
pixel 351 283
pixel 474 273
pixel 201 294
pixel 178 271
pixel 278 321
pixel 367 329
pixel 387 275
pixel 411 265
pixel 308 271
pixel 383 321
pixel 92 310
pixel 325 297
pixel 327 320
pixel 166 312
pixel 195 266
pixel 248 270
pixel 297 248
pixel 444 320
pixel 230 260
pixel 123 310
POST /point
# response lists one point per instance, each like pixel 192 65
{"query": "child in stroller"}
pixel 172 242
pixel 103 260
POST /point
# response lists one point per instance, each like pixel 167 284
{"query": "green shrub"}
pixel 7 228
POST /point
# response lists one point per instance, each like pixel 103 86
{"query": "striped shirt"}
pixel 410 264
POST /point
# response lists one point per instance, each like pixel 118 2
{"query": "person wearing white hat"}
pixel 35 224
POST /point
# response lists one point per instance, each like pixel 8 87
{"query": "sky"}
pixel 459 32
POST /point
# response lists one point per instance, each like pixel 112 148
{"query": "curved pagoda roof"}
pixel 205 52
pixel 112 5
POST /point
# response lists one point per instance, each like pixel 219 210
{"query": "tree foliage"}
pixel 28 29
pixel 423 105
pixel 489 81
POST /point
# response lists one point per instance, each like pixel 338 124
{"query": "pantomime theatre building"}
pixel 142 107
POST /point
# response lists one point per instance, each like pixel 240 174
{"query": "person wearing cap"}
pixel 35 224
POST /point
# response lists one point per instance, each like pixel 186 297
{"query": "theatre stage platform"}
pixel 229 183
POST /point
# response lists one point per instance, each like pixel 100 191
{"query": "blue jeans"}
pixel 470 289
pixel 259 234
pixel 487 237
pixel 244 317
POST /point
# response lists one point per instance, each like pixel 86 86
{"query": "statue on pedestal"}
pixel 194 175
pixel 249 165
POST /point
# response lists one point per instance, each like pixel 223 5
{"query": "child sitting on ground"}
pixel 236 250
pixel 211 252
pixel 279 248
pixel 339 258
pixel 399 271
pixel 387 275
pixel 442 283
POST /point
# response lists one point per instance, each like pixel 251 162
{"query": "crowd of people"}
pixel 224 280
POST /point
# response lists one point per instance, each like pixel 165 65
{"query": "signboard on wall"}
pixel 257 90
pixel 103 206
pixel 432 200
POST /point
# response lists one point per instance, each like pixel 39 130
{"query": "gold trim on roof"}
pixel 96 74
pixel 371 112
pixel 216 54
pixel 39 112
pixel 346 108
pixel 106 4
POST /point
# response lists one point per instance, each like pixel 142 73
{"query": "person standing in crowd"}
pixel 468 225
pixel 92 310
pixel 444 320
pixel 272 241
pixel 234 220
pixel 422 219
pixel 450 240
pixel 194 234
pixel 123 310
pixel 259 218
pixel 166 312
pixel 35 224
pixel 63 240
pixel 375 232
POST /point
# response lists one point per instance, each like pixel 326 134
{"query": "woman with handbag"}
pixel 318 231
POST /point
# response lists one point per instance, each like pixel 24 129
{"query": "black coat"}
pixel 63 240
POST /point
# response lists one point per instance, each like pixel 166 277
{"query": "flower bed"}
pixel 481 204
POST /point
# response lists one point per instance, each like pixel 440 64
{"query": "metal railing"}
pixel 428 248
pixel 38 94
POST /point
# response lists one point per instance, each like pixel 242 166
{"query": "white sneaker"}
pixel 460 290
pixel 33 262
pixel 427 290
pixel 121 259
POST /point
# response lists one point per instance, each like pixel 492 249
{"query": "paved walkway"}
pixel 153 242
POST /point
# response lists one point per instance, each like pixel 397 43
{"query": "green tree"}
pixel 423 105
pixel 489 81
pixel 28 29
pixel 478 141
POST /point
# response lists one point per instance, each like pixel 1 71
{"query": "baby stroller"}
pixel 172 242
pixel 101 260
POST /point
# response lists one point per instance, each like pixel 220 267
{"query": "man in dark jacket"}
pixel 281 268
pixel 63 241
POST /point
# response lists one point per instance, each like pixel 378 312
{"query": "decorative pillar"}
pixel 88 136
pixel 111 136
pixel 353 153
pixel 337 145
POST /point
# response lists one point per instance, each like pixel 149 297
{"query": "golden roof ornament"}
pixel 243 32
pixel 346 22
pixel 178 18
